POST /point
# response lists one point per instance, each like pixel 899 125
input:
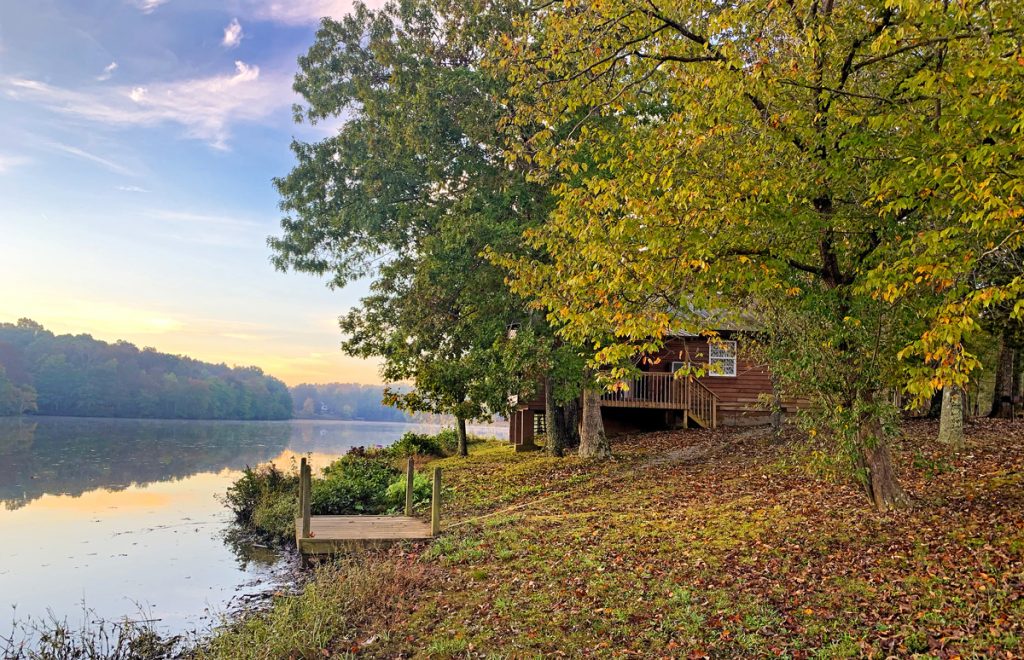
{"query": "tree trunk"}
pixel 1002 397
pixel 935 407
pixel 553 427
pixel 460 430
pixel 1018 377
pixel 593 441
pixel 951 421
pixel 568 417
pixel 776 415
pixel 880 482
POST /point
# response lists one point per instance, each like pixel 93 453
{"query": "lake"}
pixel 122 516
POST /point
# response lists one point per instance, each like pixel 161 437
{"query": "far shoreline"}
pixel 493 427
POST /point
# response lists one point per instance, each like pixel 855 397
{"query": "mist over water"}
pixel 123 515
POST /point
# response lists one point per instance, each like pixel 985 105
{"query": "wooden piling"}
pixel 435 504
pixel 306 477
pixel 409 479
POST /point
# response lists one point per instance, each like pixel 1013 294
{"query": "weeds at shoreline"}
pixel 327 616
pixel 94 639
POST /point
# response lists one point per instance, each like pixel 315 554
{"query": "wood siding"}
pixel 736 394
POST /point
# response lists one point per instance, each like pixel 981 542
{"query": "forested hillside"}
pixel 49 374
pixel 344 401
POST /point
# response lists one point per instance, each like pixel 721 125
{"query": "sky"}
pixel 138 143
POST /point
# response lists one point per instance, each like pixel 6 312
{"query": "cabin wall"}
pixel 740 396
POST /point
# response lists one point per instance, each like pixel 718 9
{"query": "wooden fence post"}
pixel 435 504
pixel 306 478
pixel 409 479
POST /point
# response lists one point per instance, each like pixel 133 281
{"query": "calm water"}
pixel 123 516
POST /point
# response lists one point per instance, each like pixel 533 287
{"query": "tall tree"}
pixel 782 161
pixel 409 192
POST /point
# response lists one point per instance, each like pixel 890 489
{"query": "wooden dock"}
pixel 318 535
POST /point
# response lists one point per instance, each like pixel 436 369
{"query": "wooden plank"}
pixel 333 533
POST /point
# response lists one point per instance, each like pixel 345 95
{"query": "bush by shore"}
pixel 364 481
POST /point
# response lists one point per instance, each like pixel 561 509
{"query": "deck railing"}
pixel 666 392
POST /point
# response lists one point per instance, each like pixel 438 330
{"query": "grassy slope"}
pixel 688 544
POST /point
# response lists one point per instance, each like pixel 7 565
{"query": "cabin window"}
pixel 722 358
pixel 676 366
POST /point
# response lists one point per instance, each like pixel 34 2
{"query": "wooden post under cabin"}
pixel 513 428
pixel 305 478
pixel 435 504
pixel 409 478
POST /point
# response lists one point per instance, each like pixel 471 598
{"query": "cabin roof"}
pixel 720 320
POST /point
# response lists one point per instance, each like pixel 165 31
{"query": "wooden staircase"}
pixel 703 405
pixel 663 391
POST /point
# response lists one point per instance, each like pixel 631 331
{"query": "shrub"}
pixel 258 486
pixel 443 443
pixel 421 492
pixel 418 444
pixel 275 516
pixel 355 483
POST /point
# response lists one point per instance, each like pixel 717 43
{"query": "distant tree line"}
pixel 76 375
pixel 344 401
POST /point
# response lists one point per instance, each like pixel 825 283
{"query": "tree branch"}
pixel 792 263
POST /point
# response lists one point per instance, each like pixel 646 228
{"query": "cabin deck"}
pixel 329 534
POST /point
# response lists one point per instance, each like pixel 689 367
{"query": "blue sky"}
pixel 138 140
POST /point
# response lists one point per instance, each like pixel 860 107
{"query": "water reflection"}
pixel 123 514
pixel 73 456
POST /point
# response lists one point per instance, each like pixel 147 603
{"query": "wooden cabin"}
pixel 731 393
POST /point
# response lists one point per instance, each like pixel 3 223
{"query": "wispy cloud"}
pixel 232 34
pixel 205 107
pixel 148 6
pixel 117 168
pixel 131 189
pixel 301 12
pixel 208 229
pixel 8 162
pixel 202 218
pixel 108 72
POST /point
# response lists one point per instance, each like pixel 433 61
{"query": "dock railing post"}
pixel 435 504
pixel 305 478
pixel 409 479
pixel 302 489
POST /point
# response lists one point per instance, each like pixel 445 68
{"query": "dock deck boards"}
pixel 329 533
